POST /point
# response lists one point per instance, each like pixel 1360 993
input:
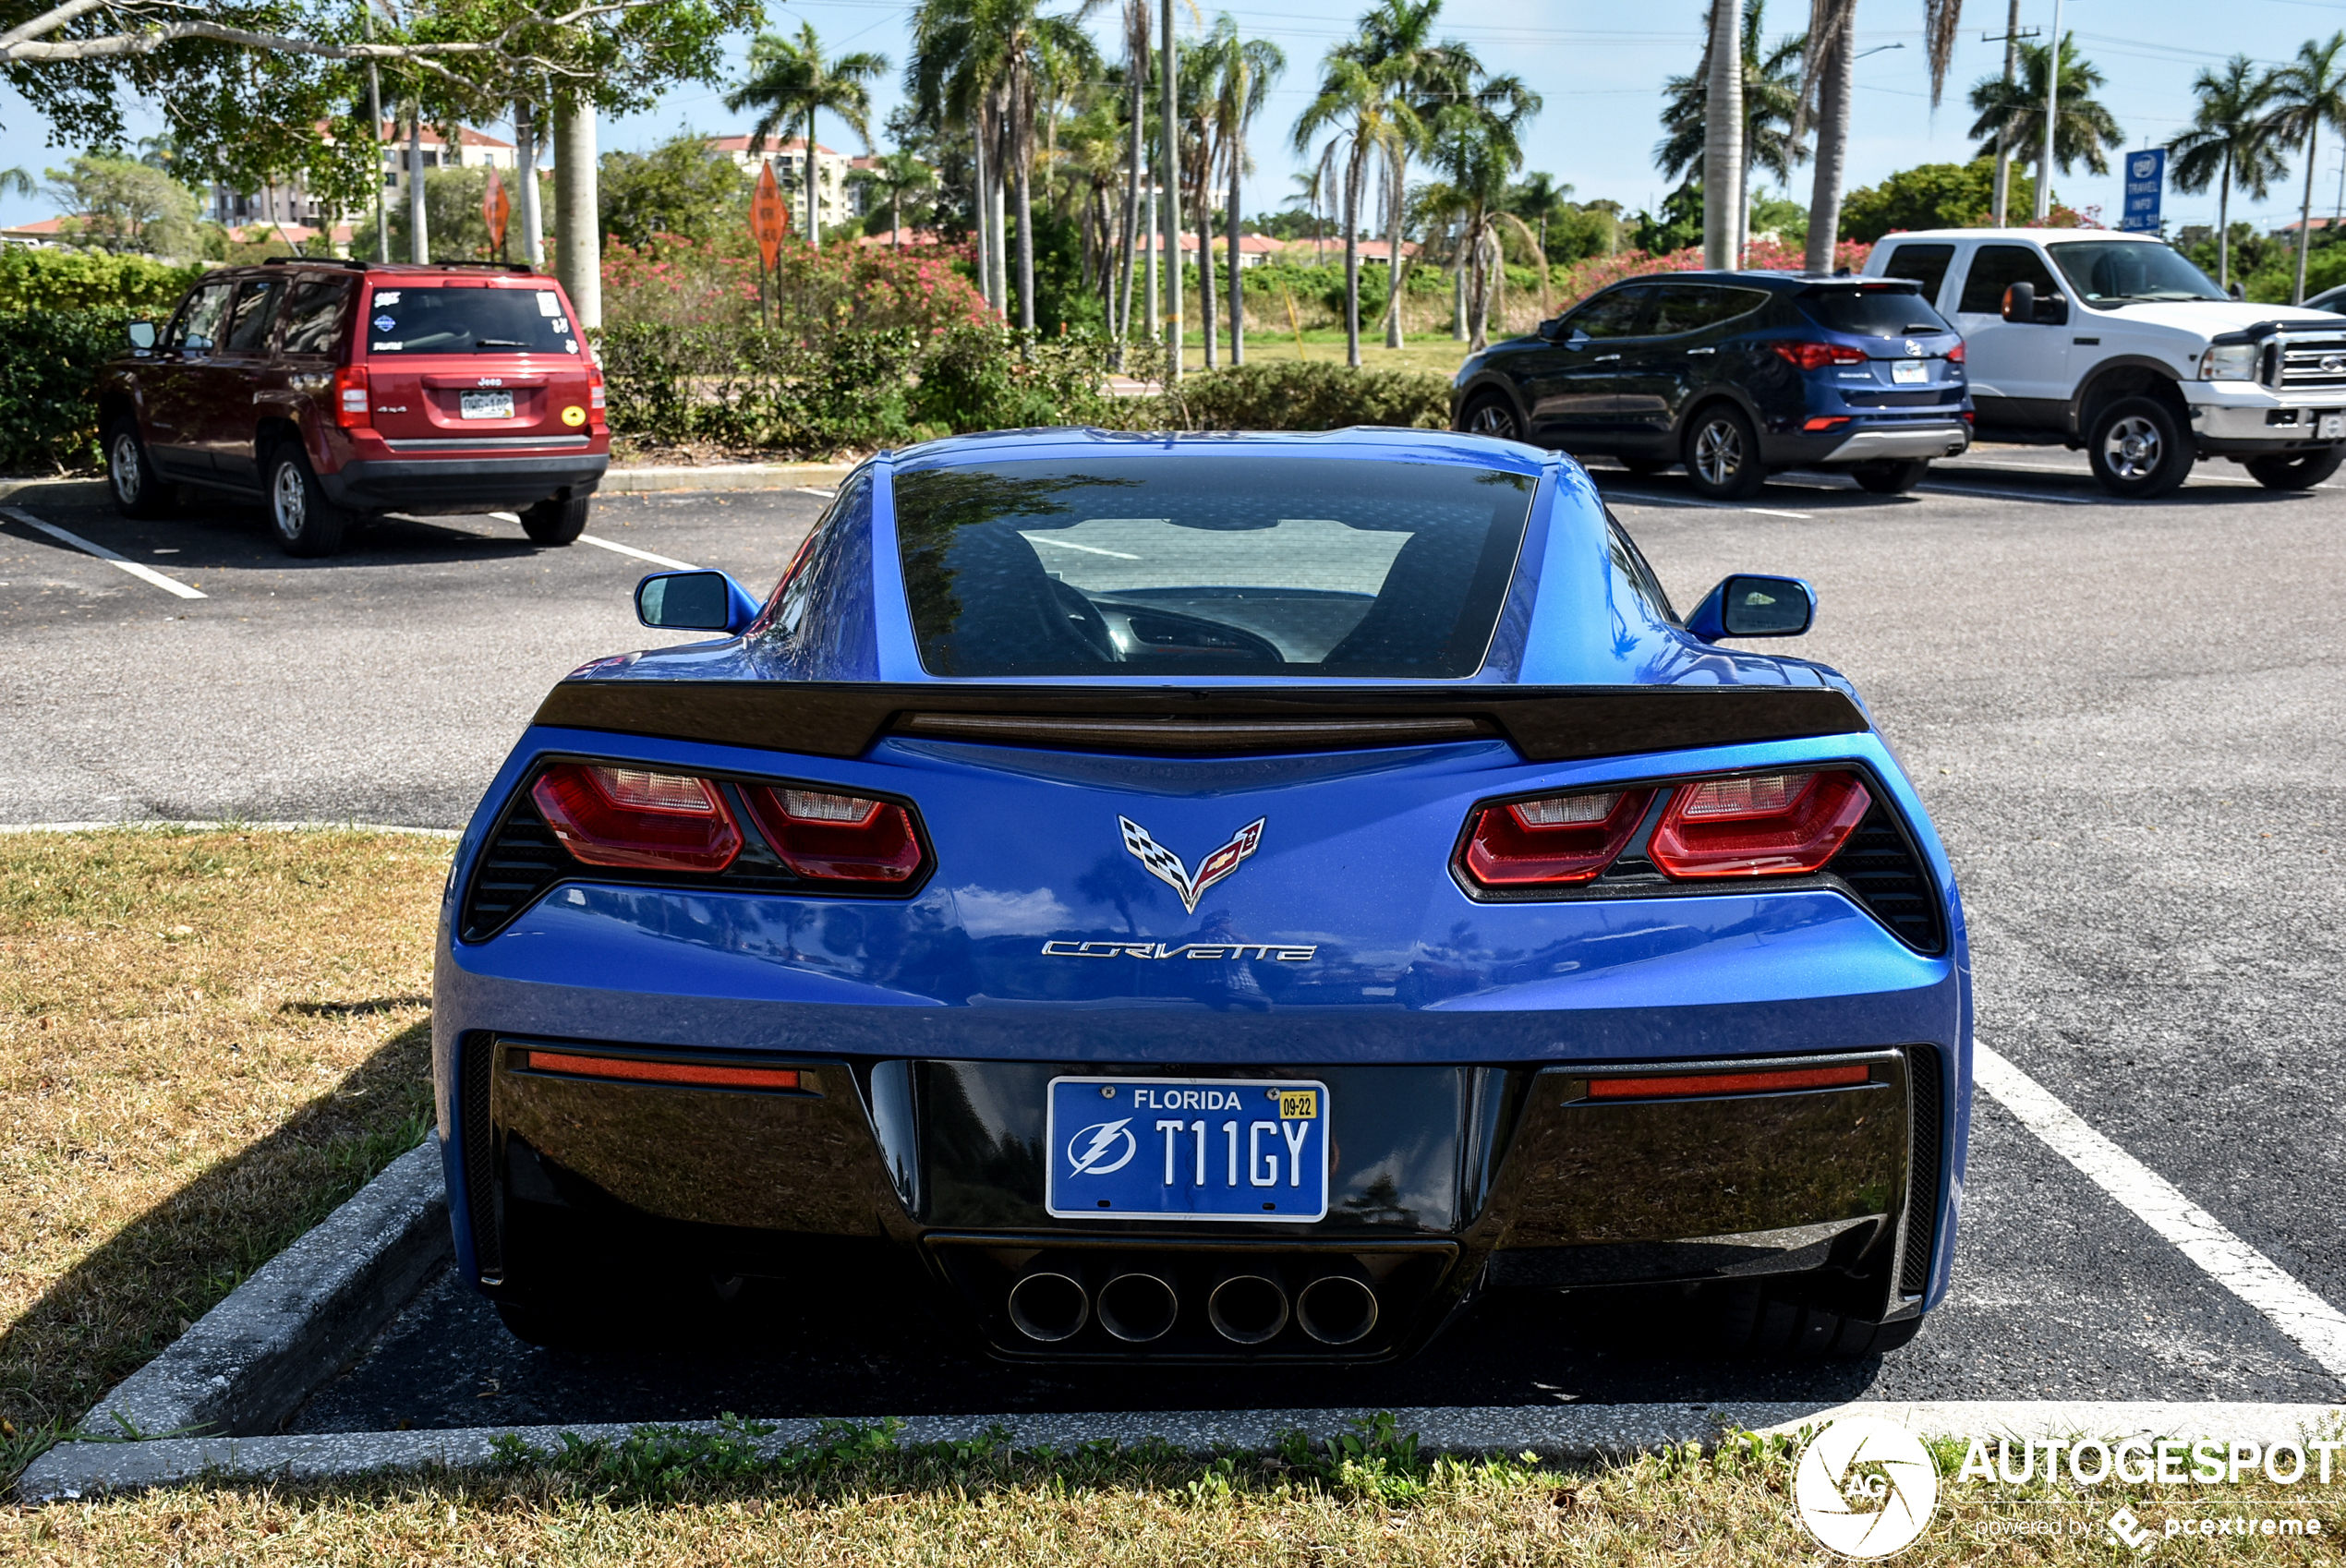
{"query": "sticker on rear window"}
pixel 387 347
pixel 548 303
pixel 386 297
pixel 384 323
pixel 560 325
pixel 571 344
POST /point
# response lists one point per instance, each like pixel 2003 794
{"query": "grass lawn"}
pixel 207 1041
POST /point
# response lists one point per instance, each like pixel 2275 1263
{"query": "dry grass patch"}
pixel 206 1040
pixel 857 1500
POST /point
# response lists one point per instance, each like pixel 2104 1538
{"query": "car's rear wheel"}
pixel 306 523
pixel 138 491
pixel 1755 1320
pixel 1891 477
pixel 2299 470
pixel 556 521
pixel 2139 449
pixel 1492 416
pixel 1723 454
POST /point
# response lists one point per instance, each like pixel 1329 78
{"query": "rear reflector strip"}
pixel 694 1073
pixel 1727 1082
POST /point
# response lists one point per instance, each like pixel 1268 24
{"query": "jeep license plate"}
pixel 2331 427
pixel 1186 1149
pixel 485 404
pixel 1909 373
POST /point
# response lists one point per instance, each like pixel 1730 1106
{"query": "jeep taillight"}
pixel 1757 825
pixel 832 837
pixel 636 816
pixel 351 395
pixel 1562 839
pixel 595 388
pixel 1816 356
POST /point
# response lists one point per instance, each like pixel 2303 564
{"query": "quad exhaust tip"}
pixel 1046 1306
pixel 1247 1309
pixel 1138 1307
pixel 1337 1310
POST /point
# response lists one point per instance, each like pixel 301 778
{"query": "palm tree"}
pixel 1477 144
pixel 2229 142
pixel 1828 82
pixel 1537 198
pixel 897 177
pixel 2012 114
pixel 2306 94
pixel 1243 71
pixel 1395 40
pixel 1770 103
pixel 1363 104
pixel 1136 86
pixel 790 80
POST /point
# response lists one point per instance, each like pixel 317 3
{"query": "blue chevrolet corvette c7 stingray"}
pixel 1224 897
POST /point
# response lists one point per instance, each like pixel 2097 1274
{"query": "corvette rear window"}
pixel 1209 566
pixel 468 320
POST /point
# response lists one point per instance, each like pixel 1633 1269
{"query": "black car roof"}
pixel 1781 281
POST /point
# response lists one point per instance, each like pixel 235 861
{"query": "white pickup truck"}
pixel 2116 343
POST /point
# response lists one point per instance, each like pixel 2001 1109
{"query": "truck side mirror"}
pixel 694 601
pixel 142 335
pixel 2020 303
pixel 1747 605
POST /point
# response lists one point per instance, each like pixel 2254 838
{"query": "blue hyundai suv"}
pixel 1735 375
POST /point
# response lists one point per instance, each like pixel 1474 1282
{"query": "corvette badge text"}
pixel 1271 951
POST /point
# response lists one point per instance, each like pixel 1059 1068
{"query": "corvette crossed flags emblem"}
pixel 1166 867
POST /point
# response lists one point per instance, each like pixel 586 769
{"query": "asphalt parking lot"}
pixel 2122 715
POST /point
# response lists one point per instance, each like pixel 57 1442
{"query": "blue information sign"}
pixel 2146 177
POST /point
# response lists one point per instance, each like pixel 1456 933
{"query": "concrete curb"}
pixel 1567 1432
pixel 723 476
pixel 301 1317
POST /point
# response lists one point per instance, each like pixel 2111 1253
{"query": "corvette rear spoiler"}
pixel 1545 723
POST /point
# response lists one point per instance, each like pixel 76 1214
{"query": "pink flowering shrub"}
pixel 676 282
pixel 1765 253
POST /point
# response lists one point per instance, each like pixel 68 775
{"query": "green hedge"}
pixel 48 363
pixel 1288 394
pixel 34 278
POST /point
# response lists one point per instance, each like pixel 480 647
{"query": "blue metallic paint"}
pixel 1353 859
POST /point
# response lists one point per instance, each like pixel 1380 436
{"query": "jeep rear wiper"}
pixel 498 342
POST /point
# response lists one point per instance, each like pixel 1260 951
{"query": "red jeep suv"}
pixel 332 390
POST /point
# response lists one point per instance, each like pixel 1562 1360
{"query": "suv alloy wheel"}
pixel 1723 454
pixel 1489 416
pixel 138 491
pixel 2139 449
pixel 306 521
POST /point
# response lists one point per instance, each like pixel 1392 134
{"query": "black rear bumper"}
pixel 460 483
pixel 1445 1180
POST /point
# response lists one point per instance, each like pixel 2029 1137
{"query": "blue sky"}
pixel 1601 69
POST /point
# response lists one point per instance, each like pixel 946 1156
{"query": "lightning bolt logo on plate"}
pixel 1166 867
pixel 1097 1142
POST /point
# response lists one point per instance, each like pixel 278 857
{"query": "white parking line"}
pixel 144 574
pixel 1985 494
pixel 2304 1317
pixel 815 490
pixel 1630 499
pixel 617 548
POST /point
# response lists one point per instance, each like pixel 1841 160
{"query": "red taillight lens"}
pixel 1562 839
pixel 1758 825
pixel 1954 355
pixel 1826 421
pixel 1776 1082
pixel 1816 356
pixel 595 388
pixel 351 394
pixel 637 817
pixel 834 838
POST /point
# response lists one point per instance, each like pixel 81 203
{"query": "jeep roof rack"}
pixel 314 261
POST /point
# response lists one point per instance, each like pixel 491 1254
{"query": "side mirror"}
pixel 1749 605
pixel 694 601
pixel 142 335
pixel 2020 303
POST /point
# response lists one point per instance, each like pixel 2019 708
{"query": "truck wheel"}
pixel 1723 454
pixel 1891 477
pixel 556 521
pixel 2139 448
pixel 1755 1320
pixel 138 491
pixel 2299 470
pixel 1491 416
pixel 307 522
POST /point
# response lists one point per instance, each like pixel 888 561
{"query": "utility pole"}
pixel 533 226
pixel 375 130
pixel 418 242
pixel 1170 152
pixel 2010 38
pixel 2052 108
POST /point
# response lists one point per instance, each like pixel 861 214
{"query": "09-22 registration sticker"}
pixel 1187 1148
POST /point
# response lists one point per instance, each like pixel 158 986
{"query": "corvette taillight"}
pixel 831 838
pixel 635 816
pixel 1757 825
pixel 1563 838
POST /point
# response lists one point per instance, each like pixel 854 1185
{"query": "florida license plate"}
pixel 2331 427
pixel 1908 372
pixel 1187 1148
pixel 485 404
